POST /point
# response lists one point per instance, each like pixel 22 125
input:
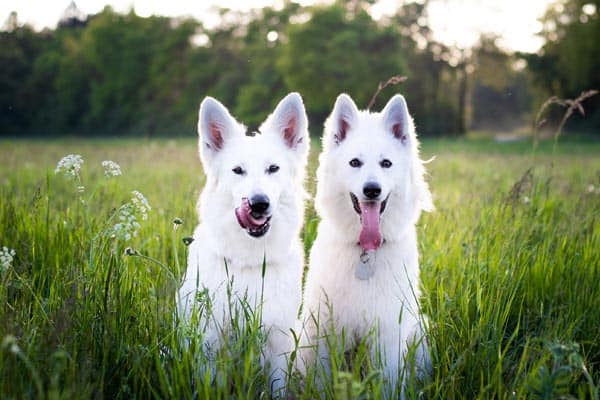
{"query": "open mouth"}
pixel 370 211
pixel 357 208
pixel 255 224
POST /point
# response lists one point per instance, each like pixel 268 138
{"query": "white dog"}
pixel 252 210
pixel 364 270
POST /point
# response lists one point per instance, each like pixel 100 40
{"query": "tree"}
pixel 114 73
pixel 569 61
pixel 339 49
pixel 432 89
pixel 20 46
pixel 499 96
pixel 264 85
pixel 138 73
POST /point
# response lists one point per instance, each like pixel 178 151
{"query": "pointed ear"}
pixel 342 118
pixel 215 125
pixel 289 121
pixel 396 118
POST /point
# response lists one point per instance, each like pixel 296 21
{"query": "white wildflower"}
pixel 6 258
pixel 111 168
pixel 591 188
pixel 69 165
pixel 526 200
pixel 140 203
pixel 10 343
pixel 128 225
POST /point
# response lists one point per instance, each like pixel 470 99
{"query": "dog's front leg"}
pixel 312 351
pixel 391 352
pixel 276 355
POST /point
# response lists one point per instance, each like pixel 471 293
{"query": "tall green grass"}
pixel 510 276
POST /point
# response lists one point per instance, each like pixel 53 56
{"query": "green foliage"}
pixel 112 73
pixel 121 74
pixel 20 49
pixel 554 382
pixel 263 86
pixel 570 58
pixel 499 92
pixel 509 276
pixel 337 49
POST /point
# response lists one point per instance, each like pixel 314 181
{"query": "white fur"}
pixel 220 240
pixel 388 300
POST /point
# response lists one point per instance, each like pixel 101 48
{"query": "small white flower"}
pixel 128 225
pixel 591 188
pixel 69 165
pixel 526 200
pixel 6 258
pixel 10 343
pixel 140 204
pixel 111 168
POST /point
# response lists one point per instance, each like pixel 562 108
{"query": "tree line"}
pixel 122 74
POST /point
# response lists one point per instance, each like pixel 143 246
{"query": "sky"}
pixel 454 22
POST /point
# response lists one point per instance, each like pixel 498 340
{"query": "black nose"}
pixel 372 190
pixel 259 203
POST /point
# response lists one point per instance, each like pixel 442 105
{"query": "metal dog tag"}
pixel 364 269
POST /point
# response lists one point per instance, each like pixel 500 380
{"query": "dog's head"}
pixel 371 167
pixel 250 177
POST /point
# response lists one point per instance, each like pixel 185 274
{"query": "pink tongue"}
pixel 370 235
pixel 245 219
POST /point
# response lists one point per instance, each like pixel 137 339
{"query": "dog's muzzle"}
pixel 253 215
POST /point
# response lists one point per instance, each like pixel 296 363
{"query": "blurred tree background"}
pixel 121 74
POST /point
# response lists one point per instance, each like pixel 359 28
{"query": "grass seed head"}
pixel 129 251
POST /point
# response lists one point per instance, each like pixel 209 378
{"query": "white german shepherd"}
pixel 364 268
pixel 252 210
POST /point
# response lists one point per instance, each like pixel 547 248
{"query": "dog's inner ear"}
pixel 342 128
pixel 398 131
pixel 396 118
pixel 215 135
pixel 344 115
pixel 215 124
pixel 289 120
pixel 291 131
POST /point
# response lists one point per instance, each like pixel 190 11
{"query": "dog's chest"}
pixel 255 284
pixel 364 268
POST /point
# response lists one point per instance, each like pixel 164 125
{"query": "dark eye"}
pixel 273 168
pixel 238 171
pixel 355 163
pixel 385 163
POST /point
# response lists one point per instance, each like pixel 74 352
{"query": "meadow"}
pixel 510 265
